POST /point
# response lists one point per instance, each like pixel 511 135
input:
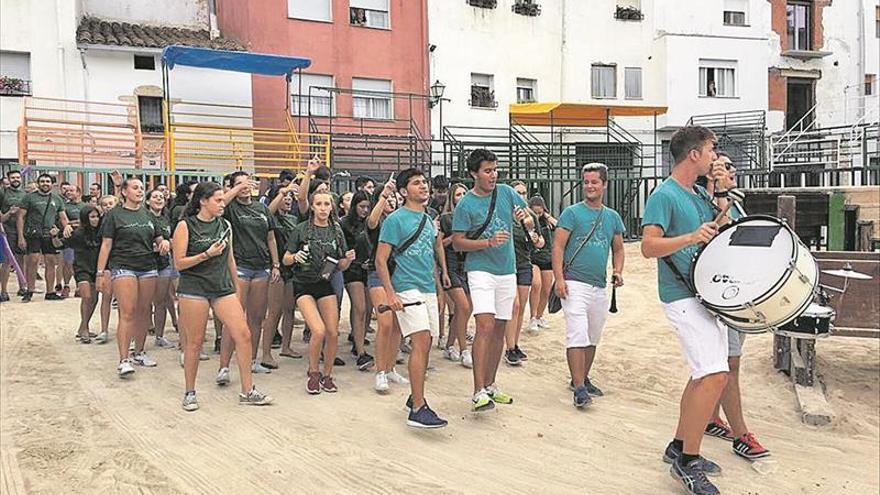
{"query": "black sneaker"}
pixel 21 292
pixel 4 297
pixel 521 354
pixel 409 403
pixel 217 346
pixel 592 389
pixel 53 297
pixel 581 397
pixel 425 418
pixel 307 335
pixel 351 338
pixel 692 478
pixel 353 352
pixel 26 298
pixel 276 340
pixel 672 453
pixel 365 362
pixel 338 362
pixel 512 358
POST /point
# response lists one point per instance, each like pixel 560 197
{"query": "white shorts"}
pixel 586 309
pixel 492 294
pixel 425 316
pixel 735 343
pixel 703 337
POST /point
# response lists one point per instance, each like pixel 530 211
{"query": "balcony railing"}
pixel 11 86
pixel 482 98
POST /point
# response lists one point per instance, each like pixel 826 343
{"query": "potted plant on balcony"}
pixel 628 13
pixel 11 85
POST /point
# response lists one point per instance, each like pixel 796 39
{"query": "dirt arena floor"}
pixel 69 425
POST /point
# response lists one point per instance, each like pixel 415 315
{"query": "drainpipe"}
pixel 60 48
pixel 862 41
pixel 562 61
pixel 85 73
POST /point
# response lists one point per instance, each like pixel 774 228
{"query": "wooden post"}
pixel 786 208
pixel 836 222
pixel 865 235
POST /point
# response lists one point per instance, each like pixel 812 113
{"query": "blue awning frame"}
pixel 248 62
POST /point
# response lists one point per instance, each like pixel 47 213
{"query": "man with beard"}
pixel 10 200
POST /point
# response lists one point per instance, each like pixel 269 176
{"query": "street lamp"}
pixel 437 90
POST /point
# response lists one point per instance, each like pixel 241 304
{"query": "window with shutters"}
pixel 371 99
pixel 369 13
pixel 150 110
pixel 310 10
pixel 603 81
pixel 307 99
pixel 632 83
pixel 736 12
pixel 525 90
pixel 482 91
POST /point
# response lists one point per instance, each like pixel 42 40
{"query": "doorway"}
pixel 800 99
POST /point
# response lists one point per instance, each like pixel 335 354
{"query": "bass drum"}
pixel 756 274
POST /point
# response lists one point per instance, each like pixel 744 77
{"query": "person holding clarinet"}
pixel 585 234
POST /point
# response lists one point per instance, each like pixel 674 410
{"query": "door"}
pixel 801 98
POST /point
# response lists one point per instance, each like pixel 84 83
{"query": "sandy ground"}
pixel 69 425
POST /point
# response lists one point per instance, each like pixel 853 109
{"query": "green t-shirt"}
pixel 322 242
pixel 85 250
pixel 454 259
pixel 470 213
pixel 251 224
pixel 161 222
pixel 284 223
pixel 678 212
pixel 176 213
pixel 591 264
pixel 210 278
pixel 133 233
pixel 72 209
pixel 11 197
pixel 42 210
pixel 415 266
pixel 522 246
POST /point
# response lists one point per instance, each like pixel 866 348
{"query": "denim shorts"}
pixel 249 274
pixel 122 273
pixel 169 272
pixel 373 280
pixel 181 295
pixel 68 256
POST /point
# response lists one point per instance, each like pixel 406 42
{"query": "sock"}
pixel 684 459
pixel 678 444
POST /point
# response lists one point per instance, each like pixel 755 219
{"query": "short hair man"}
pixel 481 225
pixel 585 233
pixel 10 200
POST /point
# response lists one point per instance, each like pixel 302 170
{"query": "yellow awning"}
pixel 575 114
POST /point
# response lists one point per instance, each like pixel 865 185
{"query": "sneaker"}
pixel 102 338
pixel 217 346
pixel 21 292
pixel 203 356
pixel 151 331
pixel 395 377
pixel 142 359
pixel 254 398
pixel 4 297
pixel 222 377
pixel 520 353
pixel 327 384
pixel 276 341
pixel 291 354
pixel 747 447
pixel 399 359
pixel 256 367
pixel 381 382
pixel 592 389
pixel 163 343
pixel 543 323
pixel 307 335
pixel 189 401
pixel 693 478
pixel 671 454
pixel 313 384
pixel 467 359
pixel 534 326
pixel 718 428
pixel 337 361
pixel 482 402
pixel 26 298
pixel 365 362
pixel 497 395
pixel 512 358
pixel 582 397
pixel 451 354
pixel 425 418
pixel 53 297
pixel 125 368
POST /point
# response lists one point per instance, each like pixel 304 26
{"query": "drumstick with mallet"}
pixel 731 195
pixel 384 307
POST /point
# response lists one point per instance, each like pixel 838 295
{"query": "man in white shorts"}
pixel 409 235
pixel 585 233
pixel 481 226
pixel 679 216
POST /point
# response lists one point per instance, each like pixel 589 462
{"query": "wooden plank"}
pixel 836 221
pixel 815 409
pixel 856 332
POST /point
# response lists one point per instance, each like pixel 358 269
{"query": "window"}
pixel 310 10
pixel 870 80
pixel 144 62
pixel 321 104
pixel 799 20
pixel 482 91
pixel 632 82
pixel 150 109
pixel 603 79
pixel 629 10
pixel 369 13
pixel 15 74
pixel 717 78
pixel 525 90
pixel 369 99
pixel 735 12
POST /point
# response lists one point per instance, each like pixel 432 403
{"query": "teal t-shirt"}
pixel 677 211
pixel 470 213
pixel 415 266
pixel 590 266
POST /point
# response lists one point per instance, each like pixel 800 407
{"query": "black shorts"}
pixel 317 290
pixel 543 266
pixel 12 238
pixel 354 274
pixel 458 280
pixel 40 245
pixel 80 276
pixel 524 277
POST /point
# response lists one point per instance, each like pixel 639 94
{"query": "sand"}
pixel 69 425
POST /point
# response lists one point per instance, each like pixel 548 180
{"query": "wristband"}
pixel 276 265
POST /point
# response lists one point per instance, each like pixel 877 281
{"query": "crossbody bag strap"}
pixel 413 238
pixel 475 234
pixel 566 265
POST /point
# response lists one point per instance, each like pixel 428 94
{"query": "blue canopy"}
pixel 252 63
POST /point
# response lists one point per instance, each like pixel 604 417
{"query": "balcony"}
pixel 482 97
pixel 628 14
pixel 805 54
pixel 526 7
pixel 11 86
pixel 483 4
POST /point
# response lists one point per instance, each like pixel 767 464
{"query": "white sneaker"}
pixel 125 368
pixel 141 359
pixel 131 346
pixel 381 382
pixel 203 356
pixel 543 323
pixel 467 359
pixel 163 343
pixel 256 367
pixel 395 377
pixel 534 325
pixel 222 377
pixel 102 338
pixel 451 354
pixel 180 360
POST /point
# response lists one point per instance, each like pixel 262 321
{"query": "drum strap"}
pixel 678 274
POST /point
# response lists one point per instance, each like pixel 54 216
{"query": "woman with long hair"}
pixel 130 239
pixel 105 204
pixel 281 302
pixel 315 250
pixel 182 193
pixel 457 289
pixel 353 226
pixel 85 242
pixel 543 280
pixel 204 255
pixel 166 271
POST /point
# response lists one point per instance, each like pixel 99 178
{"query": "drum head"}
pixel 743 262
pixel 816 311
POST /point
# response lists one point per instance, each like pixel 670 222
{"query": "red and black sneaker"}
pixel 718 428
pixel 747 447
pixel 313 385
